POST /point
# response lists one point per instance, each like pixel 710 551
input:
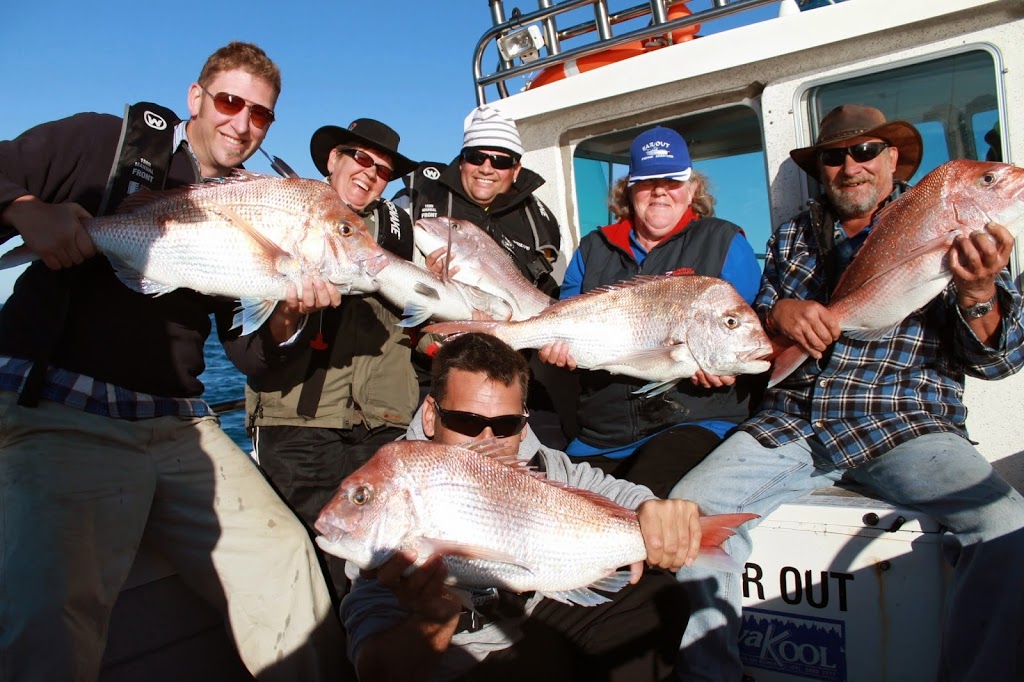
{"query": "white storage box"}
pixel 843 587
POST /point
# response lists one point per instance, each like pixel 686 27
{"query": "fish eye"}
pixel 988 178
pixel 346 230
pixel 360 496
pixel 732 322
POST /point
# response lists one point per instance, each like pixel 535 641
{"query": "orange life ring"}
pixel 572 67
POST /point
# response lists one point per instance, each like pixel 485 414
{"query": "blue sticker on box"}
pixel 812 648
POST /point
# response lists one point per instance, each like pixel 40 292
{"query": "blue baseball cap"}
pixel 659 153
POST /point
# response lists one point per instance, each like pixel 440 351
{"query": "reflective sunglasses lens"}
pixel 365 160
pixel 466 423
pixel 476 157
pixel 260 116
pixel 507 425
pixel 866 151
pixel 229 105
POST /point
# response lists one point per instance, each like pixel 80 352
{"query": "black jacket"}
pixel 520 222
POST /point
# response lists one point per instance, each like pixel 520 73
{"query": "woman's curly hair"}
pixel 703 205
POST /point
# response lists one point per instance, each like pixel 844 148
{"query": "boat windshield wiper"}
pixel 279 166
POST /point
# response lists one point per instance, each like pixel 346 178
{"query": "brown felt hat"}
pixel 850 121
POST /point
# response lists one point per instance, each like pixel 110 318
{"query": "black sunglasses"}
pixel 865 151
pixel 229 105
pixel 475 157
pixel 385 173
pixel 472 424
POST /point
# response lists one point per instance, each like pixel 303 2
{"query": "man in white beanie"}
pixel 486 184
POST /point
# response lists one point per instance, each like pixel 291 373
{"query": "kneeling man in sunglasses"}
pixel 406 625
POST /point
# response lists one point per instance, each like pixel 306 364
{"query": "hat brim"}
pixel 899 134
pixel 328 137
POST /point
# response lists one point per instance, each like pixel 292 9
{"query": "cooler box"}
pixel 843 587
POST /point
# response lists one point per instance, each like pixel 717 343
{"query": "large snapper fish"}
pixel 423 296
pixel 497 522
pixel 903 264
pixel 661 329
pixel 247 237
pixel 482 263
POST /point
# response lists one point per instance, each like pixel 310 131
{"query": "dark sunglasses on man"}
pixel 865 151
pixel 229 105
pixel 385 173
pixel 472 424
pixel 475 157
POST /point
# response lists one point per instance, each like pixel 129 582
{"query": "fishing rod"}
pixel 279 166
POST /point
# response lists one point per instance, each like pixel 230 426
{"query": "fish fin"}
pixel 716 529
pixel 268 245
pixel 655 388
pixel 414 315
pixel 253 314
pixel 461 327
pixel 582 596
pixel 494 449
pixel 870 334
pixel 467 551
pixel 136 281
pixel 786 362
pixel 426 290
pixel 19 255
pixel 644 358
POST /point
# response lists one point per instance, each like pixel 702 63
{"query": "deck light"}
pixel 523 44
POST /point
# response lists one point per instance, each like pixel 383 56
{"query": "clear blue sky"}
pixel 406 63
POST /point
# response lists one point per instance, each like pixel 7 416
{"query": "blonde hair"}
pixel 703 204
pixel 244 57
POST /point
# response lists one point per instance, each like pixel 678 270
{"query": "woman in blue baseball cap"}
pixel 665 225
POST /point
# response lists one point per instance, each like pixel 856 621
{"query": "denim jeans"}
pixel 940 474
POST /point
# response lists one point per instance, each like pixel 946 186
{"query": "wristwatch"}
pixel 978 309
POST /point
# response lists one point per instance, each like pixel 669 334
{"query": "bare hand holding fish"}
pixel 54 232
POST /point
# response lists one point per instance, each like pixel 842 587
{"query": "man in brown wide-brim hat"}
pixel 851 122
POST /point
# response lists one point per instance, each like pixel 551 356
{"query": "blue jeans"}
pixel 940 474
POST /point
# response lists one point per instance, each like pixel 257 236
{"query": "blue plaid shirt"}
pixel 865 397
pixel 97 397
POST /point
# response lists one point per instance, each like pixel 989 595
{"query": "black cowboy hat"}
pixel 364 132
pixel 849 121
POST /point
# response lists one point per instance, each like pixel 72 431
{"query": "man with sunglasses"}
pixel 350 387
pixel 478 391
pixel 487 185
pixel 105 439
pixel 885 414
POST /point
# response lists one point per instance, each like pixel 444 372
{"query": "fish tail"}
pixel 715 530
pixel 462 327
pixel 19 255
pixel 786 362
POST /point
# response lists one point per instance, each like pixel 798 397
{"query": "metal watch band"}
pixel 978 309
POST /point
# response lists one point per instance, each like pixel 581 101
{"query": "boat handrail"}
pixel 548 10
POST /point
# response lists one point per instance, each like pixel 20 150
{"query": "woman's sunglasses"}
pixel 365 160
pixel 475 157
pixel 472 424
pixel 865 151
pixel 229 105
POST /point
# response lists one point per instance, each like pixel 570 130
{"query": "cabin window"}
pixel 725 145
pixel 953 101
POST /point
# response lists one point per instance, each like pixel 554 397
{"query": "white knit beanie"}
pixel 486 128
